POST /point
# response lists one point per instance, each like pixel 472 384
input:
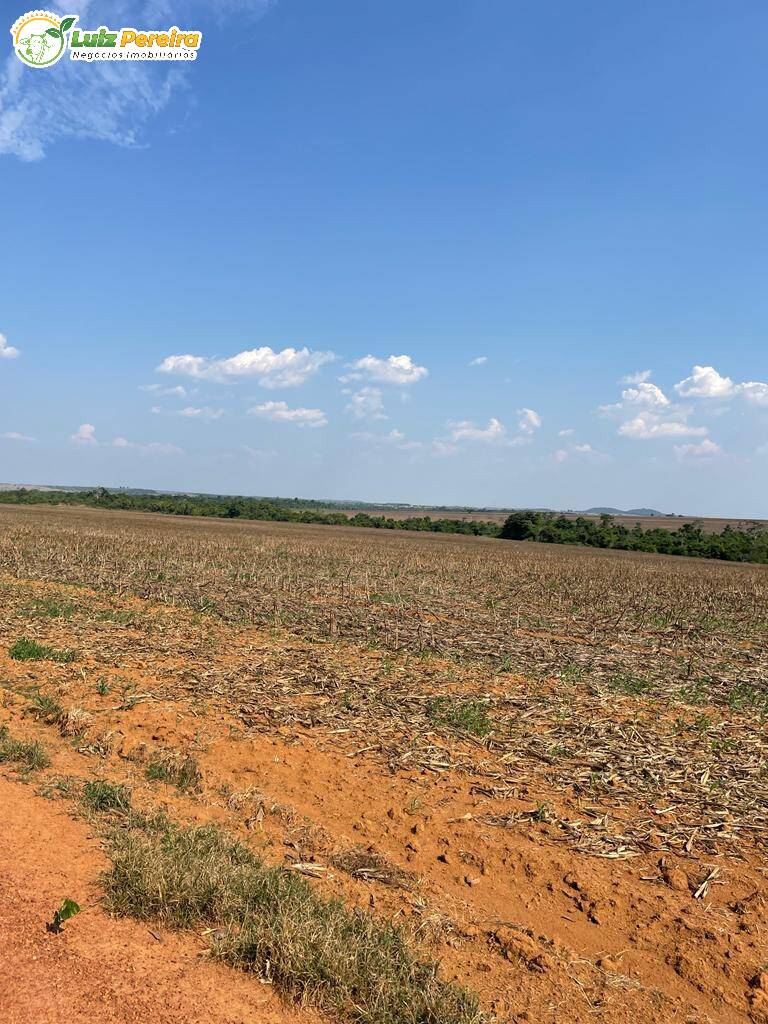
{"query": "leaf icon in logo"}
pixel 67 23
pixel 53 32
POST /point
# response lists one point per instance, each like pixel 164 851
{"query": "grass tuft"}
pixel 31 756
pixel 175 769
pixel 310 948
pixel 464 715
pixel 103 796
pixel 30 650
pixel 46 709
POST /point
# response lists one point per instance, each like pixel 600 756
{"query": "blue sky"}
pixel 480 252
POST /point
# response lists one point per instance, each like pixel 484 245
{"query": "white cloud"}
pixel 582 451
pixel 755 391
pixel 649 425
pixel 367 404
pixel 152 448
pixel 7 351
pixel 192 412
pixel 287 368
pixel 639 377
pixel 13 435
pixel 399 370
pixel 280 413
pixel 466 430
pixel 395 438
pixel 85 434
pixel 566 432
pixel 705 382
pixel 705 449
pixel 529 420
pixel 643 393
pixel 478 361
pixel 158 389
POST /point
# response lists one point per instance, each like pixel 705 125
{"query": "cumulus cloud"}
pixel 13 435
pixel 8 351
pixel 85 434
pixel 400 370
pixel 705 449
pixel 285 369
pixel 642 393
pixel 466 430
pixel 566 432
pixel 529 421
pixel 754 391
pixel 478 361
pixel 639 377
pixel 649 425
pixel 367 404
pixel 705 382
pixel 280 413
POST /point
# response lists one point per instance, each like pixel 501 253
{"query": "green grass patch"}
pixel 30 650
pixel 30 756
pixel 464 715
pixel 50 608
pixel 105 797
pixel 312 949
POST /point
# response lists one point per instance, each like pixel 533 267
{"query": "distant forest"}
pixel 732 545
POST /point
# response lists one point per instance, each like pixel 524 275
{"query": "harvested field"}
pixel 545 765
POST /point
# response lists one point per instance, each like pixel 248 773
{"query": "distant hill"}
pixel 621 512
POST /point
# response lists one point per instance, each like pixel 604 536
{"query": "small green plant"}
pixel 31 756
pixel 67 910
pixel 102 688
pixel 46 709
pixel 58 788
pixel 464 715
pixel 175 769
pixel 543 813
pixel 103 796
pixel 631 685
pixel 50 608
pixel 30 650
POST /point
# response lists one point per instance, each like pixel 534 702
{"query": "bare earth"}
pixel 598 854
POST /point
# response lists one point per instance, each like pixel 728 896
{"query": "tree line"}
pixel 732 545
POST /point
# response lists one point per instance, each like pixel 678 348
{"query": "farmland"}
pixel 546 765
